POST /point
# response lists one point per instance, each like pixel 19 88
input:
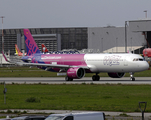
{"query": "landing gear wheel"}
pixel 95 77
pixel 132 76
pixel 68 79
pixel 133 79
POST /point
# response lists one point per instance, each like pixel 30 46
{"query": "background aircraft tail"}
pixel 44 49
pixel 16 49
pixel 31 45
pixel 18 52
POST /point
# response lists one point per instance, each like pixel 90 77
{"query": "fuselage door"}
pixel 125 61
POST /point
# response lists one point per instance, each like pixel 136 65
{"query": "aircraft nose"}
pixel 145 66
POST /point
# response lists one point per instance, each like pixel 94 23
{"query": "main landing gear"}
pixel 132 78
pixel 96 77
pixel 68 79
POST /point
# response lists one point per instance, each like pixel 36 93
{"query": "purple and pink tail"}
pixel 31 45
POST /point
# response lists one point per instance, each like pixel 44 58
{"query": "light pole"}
pixel 125 36
pixel 2 34
pixel 116 45
pixel 102 44
pixel 145 13
pixel 5 90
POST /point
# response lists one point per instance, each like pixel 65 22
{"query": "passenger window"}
pixel 138 59
pixel 69 118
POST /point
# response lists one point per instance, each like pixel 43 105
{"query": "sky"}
pixel 71 13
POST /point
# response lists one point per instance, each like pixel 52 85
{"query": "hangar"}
pixel 53 38
pixel 134 36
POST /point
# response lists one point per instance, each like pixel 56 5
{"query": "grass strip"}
pixel 108 97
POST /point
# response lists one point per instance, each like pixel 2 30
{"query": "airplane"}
pixel 18 51
pixel 76 65
pixel 44 49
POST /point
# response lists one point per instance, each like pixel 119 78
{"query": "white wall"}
pixel 113 37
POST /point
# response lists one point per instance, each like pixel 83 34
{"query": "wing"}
pixel 5 57
pixel 49 65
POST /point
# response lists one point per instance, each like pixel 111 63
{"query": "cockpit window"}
pixel 138 59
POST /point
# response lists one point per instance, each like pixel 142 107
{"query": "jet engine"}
pixel 75 73
pixel 116 75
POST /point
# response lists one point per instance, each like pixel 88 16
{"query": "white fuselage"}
pixel 115 62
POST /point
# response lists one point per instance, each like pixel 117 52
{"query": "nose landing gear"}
pixel 132 78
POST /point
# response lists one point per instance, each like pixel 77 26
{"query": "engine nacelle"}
pixel 116 75
pixel 76 73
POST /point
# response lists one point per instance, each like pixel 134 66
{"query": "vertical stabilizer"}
pixel 44 49
pixel 16 49
pixel 31 45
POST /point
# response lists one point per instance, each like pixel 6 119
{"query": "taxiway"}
pixel 61 80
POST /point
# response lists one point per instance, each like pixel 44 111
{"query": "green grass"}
pixel 123 98
pixel 35 72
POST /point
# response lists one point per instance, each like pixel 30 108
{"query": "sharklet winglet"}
pixel 5 57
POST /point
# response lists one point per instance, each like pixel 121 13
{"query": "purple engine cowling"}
pixel 76 73
pixel 116 75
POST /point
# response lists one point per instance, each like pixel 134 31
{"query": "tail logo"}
pixel 44 48
pixel 31 47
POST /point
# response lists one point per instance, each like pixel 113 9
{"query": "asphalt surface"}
pixel 87 80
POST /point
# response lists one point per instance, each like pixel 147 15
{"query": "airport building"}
pixel 135 35
pixel 53 38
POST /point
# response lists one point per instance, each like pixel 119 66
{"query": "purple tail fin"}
pixel 31 45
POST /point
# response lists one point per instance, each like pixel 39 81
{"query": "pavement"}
pixel 86 80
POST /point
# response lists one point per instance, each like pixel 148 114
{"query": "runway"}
pixel 85 80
